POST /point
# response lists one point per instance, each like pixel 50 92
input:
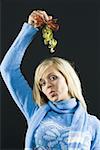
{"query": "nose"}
pixel 48 84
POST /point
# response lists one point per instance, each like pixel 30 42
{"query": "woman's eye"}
pixel 42 83
pixel 53 77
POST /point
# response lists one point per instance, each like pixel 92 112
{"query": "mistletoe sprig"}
pixel 48 28
pixel 48 34
pixel 49 40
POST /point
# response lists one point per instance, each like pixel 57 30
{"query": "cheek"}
pixel 63 86
pixel 43 90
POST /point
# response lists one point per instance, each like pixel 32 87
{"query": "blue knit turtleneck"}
pixel 63 106
pixel 55 123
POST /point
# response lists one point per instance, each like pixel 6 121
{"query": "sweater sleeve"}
pixel 11 72
pixel 95 145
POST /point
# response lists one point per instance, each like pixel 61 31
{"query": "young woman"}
pixel 55 110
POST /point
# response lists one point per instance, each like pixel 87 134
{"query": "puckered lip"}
pixel 51 92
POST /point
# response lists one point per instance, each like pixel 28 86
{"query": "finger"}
pixel 33 11
pixel 50 17
pixel 32 19
pixel 41 13
pixel 37 13
pixel 44 14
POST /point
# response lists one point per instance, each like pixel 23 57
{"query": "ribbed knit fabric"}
pixel 64 125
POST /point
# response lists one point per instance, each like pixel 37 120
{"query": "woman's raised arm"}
pixel 10 66
pixel 11 72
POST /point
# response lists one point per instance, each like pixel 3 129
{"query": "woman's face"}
pixel 53 85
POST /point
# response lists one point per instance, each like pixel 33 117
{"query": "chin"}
pixel 55 98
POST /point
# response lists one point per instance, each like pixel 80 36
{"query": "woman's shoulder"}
pixel 94 126
pixel 94 121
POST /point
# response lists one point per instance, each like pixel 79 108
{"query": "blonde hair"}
pixel 66 69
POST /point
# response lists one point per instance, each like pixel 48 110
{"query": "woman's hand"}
pixel 38 18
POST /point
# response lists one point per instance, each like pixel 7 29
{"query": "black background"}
pixel 78 41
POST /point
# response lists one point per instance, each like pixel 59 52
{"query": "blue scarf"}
pixel 79 122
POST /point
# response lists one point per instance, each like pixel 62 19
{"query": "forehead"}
pixel 49 70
